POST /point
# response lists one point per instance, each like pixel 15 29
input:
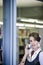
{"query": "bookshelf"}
pixel 23 40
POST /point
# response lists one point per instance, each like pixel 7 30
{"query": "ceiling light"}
pixel 27 20
pixel 20 24
pixel 1 23
pixel 31 20
pixel 39 26
pixel 28 25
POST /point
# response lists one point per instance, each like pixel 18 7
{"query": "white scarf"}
pixel 30 59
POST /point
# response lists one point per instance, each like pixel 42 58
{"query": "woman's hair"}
pixel 35 35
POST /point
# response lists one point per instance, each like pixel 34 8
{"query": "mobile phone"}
pixel 29 46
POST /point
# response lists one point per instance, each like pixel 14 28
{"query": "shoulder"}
pixel 41 55
pixel 41 58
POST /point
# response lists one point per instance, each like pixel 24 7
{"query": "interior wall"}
pixel 1 13
pixel 30 12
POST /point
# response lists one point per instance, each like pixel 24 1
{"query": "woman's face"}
pixel 33 43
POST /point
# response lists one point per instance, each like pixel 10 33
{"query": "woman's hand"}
pixel 26 50
pixel 25 55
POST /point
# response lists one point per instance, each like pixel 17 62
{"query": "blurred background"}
pixel 29 19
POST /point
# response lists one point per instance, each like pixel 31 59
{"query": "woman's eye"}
pixel 30 40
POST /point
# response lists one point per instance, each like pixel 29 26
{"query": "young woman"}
pixel 35 55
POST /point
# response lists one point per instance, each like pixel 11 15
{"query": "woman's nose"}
pixel 32 43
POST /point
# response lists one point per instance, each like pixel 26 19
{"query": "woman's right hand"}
pixel 25 55
pixel 26 50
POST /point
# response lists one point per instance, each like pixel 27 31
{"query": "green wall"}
pixel 30 12
pixel 1 13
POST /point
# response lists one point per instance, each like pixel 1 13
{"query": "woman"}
pixel 35 56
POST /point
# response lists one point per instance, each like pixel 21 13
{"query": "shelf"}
pixel 23 37
pixel 21 53
pixel 20 56
pixel 21 47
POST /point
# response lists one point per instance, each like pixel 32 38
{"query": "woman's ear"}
pixel 38 45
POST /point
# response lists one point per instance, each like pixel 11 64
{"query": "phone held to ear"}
pixel 30 49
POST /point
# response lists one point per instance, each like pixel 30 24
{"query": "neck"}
pixel 36 49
